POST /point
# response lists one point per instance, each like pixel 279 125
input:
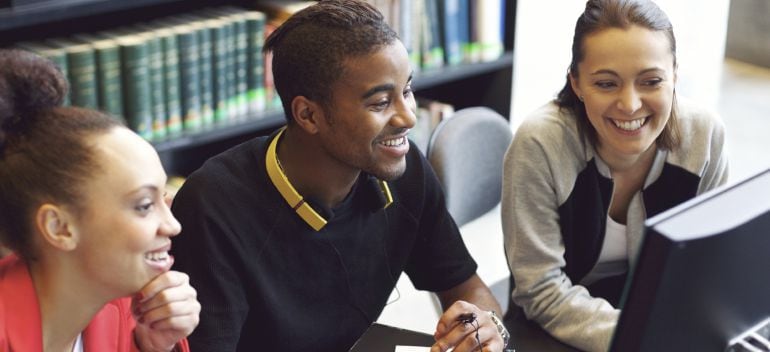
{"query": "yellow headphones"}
pixel 293 198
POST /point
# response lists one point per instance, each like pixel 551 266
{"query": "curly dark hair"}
pixel 44 150
pixel 310 48
pixel 604 14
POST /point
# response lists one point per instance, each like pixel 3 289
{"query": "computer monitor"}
pixel 701 281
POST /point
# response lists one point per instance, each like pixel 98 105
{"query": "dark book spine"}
pixel 231 101
pixel 110 92
pixel 272 98
pixel 136 85
pixel 219 69
pixel 241 64
pixel 451 24
pixel 157 91
pixel 189 78
pixel 82 75
pixel 255 23
pixel 432 52
pixel 171 82
pixel 464 30
pixel 205 62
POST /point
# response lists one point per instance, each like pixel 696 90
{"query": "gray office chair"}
pixel 466 151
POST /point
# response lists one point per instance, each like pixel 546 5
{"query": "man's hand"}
pixel 456 330
pixel 166 310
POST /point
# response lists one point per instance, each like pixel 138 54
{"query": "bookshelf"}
pixel 487 83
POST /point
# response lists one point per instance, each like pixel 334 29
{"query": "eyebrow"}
pixel 150 187
pixel 611 72
pixel 383 88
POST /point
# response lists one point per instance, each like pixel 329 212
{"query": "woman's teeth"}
pixel 156 256
pixel 394 142
pixel 629 125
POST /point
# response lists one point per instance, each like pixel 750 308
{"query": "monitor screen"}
pixel 701 281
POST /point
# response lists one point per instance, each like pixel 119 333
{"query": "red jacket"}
pixel 111 329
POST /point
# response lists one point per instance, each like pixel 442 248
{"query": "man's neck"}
pixel 313 173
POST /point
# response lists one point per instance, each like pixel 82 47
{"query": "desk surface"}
pixel 527 336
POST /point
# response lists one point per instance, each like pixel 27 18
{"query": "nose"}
pixel 629 101
pixel 169 225
pixel 405 116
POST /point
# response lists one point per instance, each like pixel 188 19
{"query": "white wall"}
pixel 544 32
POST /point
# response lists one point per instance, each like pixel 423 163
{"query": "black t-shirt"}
pixel 267 281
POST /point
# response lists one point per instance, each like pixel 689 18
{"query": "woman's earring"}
pixel 581 98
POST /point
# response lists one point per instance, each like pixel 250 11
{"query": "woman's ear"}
pixel 307 114
pixel 573 81
pixel 54 224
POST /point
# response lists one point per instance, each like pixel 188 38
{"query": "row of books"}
pixel 436 32
pixel 175 75
pixel 447 32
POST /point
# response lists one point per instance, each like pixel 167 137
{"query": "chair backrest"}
pixel 466 151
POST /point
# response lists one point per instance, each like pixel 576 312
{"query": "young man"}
pixel 295 240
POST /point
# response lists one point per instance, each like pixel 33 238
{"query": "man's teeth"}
pixel 156 256
pixel 629 125
pixel 394 142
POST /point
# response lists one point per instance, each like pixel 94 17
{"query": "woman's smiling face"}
pixel 626 81
pixel 125 225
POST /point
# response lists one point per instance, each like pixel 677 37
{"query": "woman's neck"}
pixel 64 312
pixel 625 164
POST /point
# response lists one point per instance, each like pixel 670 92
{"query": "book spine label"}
pixel 204 75
pixel 256 68
pixel 219 72
pixel 108 78
pixel 136 93
pixel 189 79
pixel 241 64
pixel 157 92
pixel 171 84
pixel 231 101
pixel 82 77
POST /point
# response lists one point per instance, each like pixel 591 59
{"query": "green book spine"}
pixel 157 91
pixel 241 63
pixel 205 47
pixel 228 24
pixel 110 92
pixel 232 104
pixel 171 82
pixel 219 69
pixel 136 85
pixel 189 72
pixel 81 73
pixel 255 23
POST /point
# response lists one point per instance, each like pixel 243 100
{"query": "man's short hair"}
pixel 310 48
